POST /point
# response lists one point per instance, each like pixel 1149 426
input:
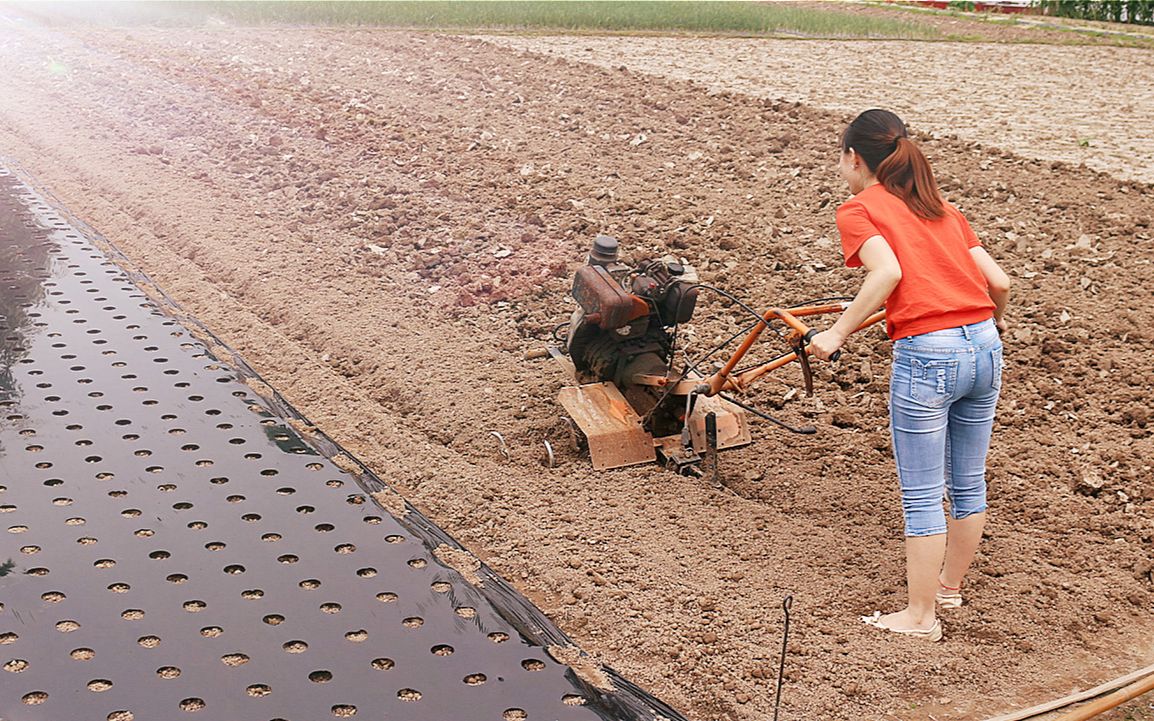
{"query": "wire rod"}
pixel 730 296
pixel 815 301
pixel 803 430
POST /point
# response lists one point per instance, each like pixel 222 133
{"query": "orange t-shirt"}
pixel 941 286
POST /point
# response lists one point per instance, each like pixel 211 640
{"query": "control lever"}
pixel 799 348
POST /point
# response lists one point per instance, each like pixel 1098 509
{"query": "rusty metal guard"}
pixel 612 427
pixel 178 550
pixel 732 425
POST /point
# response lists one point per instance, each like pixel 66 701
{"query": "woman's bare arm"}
pixel 884 273
pixel 997 282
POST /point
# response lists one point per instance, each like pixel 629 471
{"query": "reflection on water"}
pixel 24 266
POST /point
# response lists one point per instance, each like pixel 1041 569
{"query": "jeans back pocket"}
pixel 933 382
pixel 996 356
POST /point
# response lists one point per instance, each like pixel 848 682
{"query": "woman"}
pixel 945 298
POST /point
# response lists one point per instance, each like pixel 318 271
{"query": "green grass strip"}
pixel 728 18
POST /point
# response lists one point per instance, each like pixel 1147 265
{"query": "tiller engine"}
pixel 626 399
pixel 621 343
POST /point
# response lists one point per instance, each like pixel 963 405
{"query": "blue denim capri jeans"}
pixel 943 392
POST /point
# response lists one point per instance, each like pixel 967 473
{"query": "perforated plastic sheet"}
pixel 180 551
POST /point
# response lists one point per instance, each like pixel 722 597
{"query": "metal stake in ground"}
pixel 711 447
pixel 785 606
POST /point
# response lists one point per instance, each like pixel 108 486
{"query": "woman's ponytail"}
pixel 907 174
pixel 881 139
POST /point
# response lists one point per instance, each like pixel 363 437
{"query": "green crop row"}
pixel 710 17
pixel 733 18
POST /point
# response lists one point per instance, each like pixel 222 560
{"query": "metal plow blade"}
pixel 732 427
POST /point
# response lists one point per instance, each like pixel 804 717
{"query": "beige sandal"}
pixel 933 633
pixel 949 597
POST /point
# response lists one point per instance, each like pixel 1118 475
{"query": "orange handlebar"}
pixel 722 379
pixel 791 321
pixel 718 380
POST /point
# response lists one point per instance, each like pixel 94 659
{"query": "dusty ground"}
pixel 382 223
pixel 1087 104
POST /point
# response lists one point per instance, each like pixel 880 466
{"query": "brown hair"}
pixel 882 141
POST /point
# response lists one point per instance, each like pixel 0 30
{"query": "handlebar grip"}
pixel 809 336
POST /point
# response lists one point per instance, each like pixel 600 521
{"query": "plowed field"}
pixel 382 223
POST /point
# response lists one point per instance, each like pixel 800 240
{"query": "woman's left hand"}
pixel 825 344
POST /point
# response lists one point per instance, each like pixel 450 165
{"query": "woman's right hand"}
pixel 825 344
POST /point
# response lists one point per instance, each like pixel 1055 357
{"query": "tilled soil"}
pixel 382 223
pixel 1080 104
